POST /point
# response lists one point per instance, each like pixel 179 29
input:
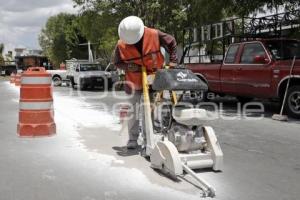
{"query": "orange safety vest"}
pixel 151 58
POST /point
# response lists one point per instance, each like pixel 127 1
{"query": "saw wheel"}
pixel 165 157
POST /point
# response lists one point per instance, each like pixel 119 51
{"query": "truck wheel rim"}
pixel 56 81
pixel 294 102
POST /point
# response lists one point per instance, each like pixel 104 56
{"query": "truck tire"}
pixel 82 86
pixel 292 105
pixel 57 81
pixel 244 100
pixel 72 83
pixel 109 84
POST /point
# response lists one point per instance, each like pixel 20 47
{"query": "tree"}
pixel 171 17
pixel 154 13
pixel 246 7
pixel 97 21
pixel 99 29
pixel 60 38
pixel 2 61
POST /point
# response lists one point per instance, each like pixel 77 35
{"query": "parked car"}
pixel 258 68
pixel 58 76
pixel 84 74
pixel 6 70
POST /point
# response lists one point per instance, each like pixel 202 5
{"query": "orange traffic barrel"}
pixel 36 115
pixel 12 77
pixel 123 112
pixel 18 79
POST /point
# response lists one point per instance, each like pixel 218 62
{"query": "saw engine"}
pixel 186 138
pixel 175 136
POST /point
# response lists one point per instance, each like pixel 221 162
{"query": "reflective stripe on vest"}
pixel 36 80
pixel 36 105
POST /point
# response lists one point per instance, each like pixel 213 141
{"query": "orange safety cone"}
pixel 12 78
pixel 36 115
pixel 123 112
pixel 18 79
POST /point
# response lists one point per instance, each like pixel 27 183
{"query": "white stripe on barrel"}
pixel 36 105
pixel 36 80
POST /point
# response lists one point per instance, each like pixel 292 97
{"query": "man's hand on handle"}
pixel 172 65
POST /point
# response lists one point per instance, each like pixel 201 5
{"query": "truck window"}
pixel 250 51
pixel 231 53
pixel 91 67
pixel 284 49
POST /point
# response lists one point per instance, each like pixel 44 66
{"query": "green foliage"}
pixel 1 54
pixel 245 7
pixel 97 21
pixel 100 29
pixel 171 16
pixel 60 37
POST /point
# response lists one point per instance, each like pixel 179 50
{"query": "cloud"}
pixel 27 5
pixel 22 20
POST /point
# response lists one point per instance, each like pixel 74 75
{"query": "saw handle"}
pixel 208 189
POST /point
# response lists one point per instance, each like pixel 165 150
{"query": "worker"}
pixel 140 46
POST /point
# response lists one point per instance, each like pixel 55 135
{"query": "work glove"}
pixel 172 65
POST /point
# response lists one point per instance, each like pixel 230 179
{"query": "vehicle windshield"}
pixel 91 67
pixel 284 49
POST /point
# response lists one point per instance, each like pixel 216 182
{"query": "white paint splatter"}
pixel 49 175
pixel 81 113
pixel 71 114
pixel 12 87
pixel 111 195
pixel 88 198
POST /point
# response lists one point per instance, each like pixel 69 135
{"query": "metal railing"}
pixel 226 32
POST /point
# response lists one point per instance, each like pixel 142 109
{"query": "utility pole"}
pixel 90 53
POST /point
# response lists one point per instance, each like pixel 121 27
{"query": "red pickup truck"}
pixel 256 69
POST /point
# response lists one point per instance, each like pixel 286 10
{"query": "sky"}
pixel 22 20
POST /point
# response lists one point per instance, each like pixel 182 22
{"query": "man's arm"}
pixel 168 42
pixel 117 61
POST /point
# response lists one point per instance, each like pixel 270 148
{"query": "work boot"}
pixel 132 144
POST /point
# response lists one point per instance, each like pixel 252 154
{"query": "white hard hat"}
pixel 131 29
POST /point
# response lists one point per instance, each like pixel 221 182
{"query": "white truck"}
pixel 58 76
pixel 84 74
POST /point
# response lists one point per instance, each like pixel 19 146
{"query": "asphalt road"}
pixel 86 159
